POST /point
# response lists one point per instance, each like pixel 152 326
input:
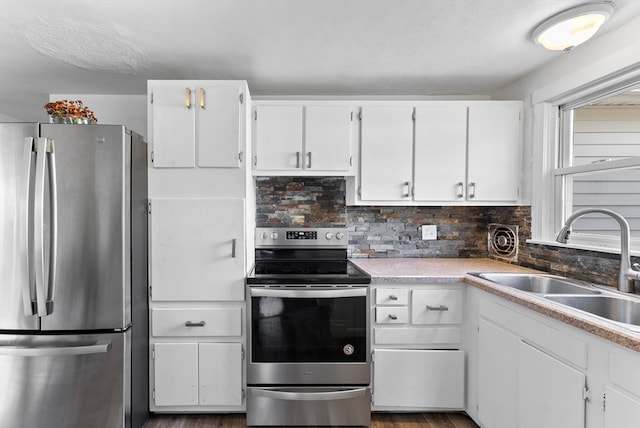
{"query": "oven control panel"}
pixel 332 237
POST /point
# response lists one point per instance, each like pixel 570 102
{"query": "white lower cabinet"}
pixel 550 392
pixel 529 370
pixel 418 378
pixel 191 374
pixel 197 359
pixel 416 340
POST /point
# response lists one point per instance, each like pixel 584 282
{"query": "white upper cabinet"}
pixel 196 124
pixel 493 152
pixel 440 152
pixel 386 153
pixel 302 139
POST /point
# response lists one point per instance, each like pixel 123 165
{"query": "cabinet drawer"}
pixel 196 322
pixel 392 296
pixel 417 336
pixel 398 315
pixel 437 306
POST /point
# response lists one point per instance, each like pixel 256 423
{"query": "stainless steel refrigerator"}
pixel 73 276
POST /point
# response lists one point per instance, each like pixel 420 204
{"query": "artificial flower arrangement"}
pixel 66 111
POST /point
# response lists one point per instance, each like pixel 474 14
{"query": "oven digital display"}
pixel 302 234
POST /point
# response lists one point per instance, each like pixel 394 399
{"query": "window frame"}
pixel 549 208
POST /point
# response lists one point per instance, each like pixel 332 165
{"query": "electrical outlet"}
pixel 429 232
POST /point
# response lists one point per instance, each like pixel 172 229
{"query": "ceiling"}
pixel 281 47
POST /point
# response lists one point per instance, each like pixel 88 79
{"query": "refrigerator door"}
pixel 17 304
pixel 92 281
pixel 65 381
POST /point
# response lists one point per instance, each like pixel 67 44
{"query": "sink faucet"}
pixel 628 273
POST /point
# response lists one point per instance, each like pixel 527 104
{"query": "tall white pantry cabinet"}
pixel 201 202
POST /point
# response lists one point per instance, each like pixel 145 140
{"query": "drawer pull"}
pixel 438 308
pixel 194 324
pixel 393 297
pixel 393 317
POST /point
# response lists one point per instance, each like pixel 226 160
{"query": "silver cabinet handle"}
pixel 472 190
pixel 393 297
pixel 297 159
pixel 195 324
pixel 438 308
pixel 53 351
pixel 408 184
pixel 309 157
pixel 459 189
pixel 393 317
pixel 53 225
pixel 233 248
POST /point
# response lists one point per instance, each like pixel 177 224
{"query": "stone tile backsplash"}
pixel 392 231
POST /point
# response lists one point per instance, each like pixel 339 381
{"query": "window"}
pixel 598 164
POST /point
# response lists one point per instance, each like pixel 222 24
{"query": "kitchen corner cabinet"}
pixel 534 371
pixel 302 139
pixel 196 124
pixel 418 363
pixel 443 152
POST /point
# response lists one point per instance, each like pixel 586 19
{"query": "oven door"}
pixel 316 335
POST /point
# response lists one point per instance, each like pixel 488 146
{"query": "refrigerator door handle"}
pixel 53 225
pixel 26 220
pixel 55 351
pixel 43 147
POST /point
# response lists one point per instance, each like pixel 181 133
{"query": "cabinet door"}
pixel 494 152
pixel 327 138
pixel 220 367
pixel 279 138
pixel 386 153
pixel 173 121
pixel 197 249
pixel 621 410
pixel 219 115
pixel 418 378
pixel 497 376
pixel 549 391
pixel 440 153
pixel 175 374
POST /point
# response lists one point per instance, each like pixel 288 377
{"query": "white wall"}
pixel 128 110
pixel 594 59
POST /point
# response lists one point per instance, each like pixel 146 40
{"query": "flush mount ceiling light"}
pixel 566 30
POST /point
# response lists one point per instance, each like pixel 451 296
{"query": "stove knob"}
pixel 329 235
pixel 339 236
pixel 264 235
pixel 274 235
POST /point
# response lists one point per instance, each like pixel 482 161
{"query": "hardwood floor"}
pixel 378 420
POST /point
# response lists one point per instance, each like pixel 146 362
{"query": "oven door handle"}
pixel 309 396
pixel 308 294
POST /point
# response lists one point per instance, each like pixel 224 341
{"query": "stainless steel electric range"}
pixel 309 359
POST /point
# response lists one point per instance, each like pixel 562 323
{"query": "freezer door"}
pixel 92 281
pixel 65 381
pixel 18 297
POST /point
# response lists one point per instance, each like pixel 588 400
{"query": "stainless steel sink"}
pixel 613 308
pixel 539 283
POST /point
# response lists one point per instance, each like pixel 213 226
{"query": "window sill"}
pixel 634 252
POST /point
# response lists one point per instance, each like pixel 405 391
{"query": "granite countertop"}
pixel 443 271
